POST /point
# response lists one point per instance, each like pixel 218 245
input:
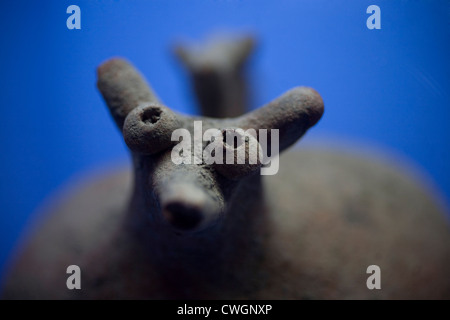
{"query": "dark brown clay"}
pixel 165 231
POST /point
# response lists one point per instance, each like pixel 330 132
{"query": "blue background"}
pixel 388 87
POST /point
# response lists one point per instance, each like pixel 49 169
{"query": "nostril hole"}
pixel 151 115
pixel 181 216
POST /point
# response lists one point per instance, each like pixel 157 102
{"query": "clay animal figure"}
pixel 161 230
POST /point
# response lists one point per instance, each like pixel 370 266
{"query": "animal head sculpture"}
pixel 192 197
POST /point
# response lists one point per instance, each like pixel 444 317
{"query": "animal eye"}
pixel 148 128
pixel 242 154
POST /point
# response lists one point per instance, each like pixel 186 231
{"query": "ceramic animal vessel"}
pixel 160 230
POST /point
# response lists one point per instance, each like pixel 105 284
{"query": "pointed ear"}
pixel 123 88
pixel 292 114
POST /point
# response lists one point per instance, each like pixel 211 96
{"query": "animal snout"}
pixel 187 207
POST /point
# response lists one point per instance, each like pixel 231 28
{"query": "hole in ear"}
pixel 151 115
pixel 148 128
